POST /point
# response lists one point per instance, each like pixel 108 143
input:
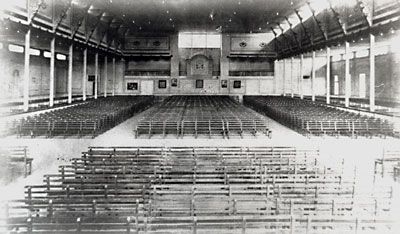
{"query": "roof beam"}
pixel 105 32
pixel 367 13
pixel 277 41
pixel 336 16
pixel 62 16
pixel 80 21
pixel 285 37
pixel 95 27
pixel 42 4
pixel 317 22
pixel 293 32
pixel 310 38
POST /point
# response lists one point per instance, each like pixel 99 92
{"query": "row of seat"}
pixel 199 190
pixel 388 164
pixel 15 163
pixel 90 118
pixel 201 116
pixel 317 119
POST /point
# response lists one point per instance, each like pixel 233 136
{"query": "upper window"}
pixel 199 40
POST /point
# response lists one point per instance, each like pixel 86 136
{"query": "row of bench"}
pixel 15 163
pixel 90 118
pixel 317 119
pixel 201 116
pixel 199 190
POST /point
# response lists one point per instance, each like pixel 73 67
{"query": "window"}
pixel 199 84
pixel 381 50
pixel 61 57
pixel 34 52
pixel 16 48
pixel 199 40
pixel 362 53
pixel 336 57
pixel 46 54
pixel 162 84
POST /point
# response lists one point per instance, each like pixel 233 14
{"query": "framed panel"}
pixel 132 86
pixel 162 84
pixel 237 84
pixel 174 82
pixel 224 83
pixel 199 84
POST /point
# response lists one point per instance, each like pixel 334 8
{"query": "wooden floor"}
pixel 48 154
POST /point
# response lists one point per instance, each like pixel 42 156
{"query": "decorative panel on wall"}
pixel 147 43
pixel 250 44
pixel 199 66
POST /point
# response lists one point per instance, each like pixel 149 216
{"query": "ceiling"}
pixel 231 16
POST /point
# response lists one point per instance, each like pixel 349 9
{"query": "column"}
pixel 70 60
pixel 113 78
pixel 372 73
pixel 291 77
pixel 328 75
pixel 105 76
pixel 284 76
pixel 313 77
pixel 301 76
pixel 27 69
pixel 96 73
pixel 52 63
pixel 275 77
pixel 347 93
pixel 84 75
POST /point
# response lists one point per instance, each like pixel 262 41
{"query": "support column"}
pixel 105 75
pixel 284 76
pixel 291 77
pixel 52 63
pixel 372 73
pixel 275 76
pixel 328 75
pixel 313 77
pixel 84 75
pixel 347 92
pixel 96 73
pixel 113 78
pixel 70 60
pixel 301 76
pixel 27 69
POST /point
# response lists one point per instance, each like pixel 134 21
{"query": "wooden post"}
pixel 372 72
pixel 328 75
pixel 70 63
pixel 114 73
pixel 243 225
pixel 25 163
pixel 27 69
pixel 284 76
pixel 84 75
pixel 347 74
pixel 52 70
pixel 313 77
pixel 291 77
pixel 105 75
pixel 301 76
pixel 96 68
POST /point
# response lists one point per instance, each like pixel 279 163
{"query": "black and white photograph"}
pixel 132 86
pixel 162 84
pixel 200 116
